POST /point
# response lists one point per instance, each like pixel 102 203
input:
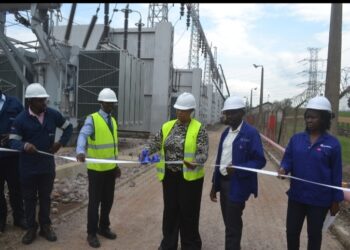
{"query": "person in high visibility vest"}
pixel 313 155
pixel 99 134
pixel 240 145
pixel 183 139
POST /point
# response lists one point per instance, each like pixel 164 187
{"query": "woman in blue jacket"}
pixel 313 155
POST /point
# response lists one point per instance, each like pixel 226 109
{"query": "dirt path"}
pixel 137 217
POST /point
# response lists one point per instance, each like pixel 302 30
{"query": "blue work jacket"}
pixel 11 108
pixel 247 151
pixel 320 162
pixel 27 128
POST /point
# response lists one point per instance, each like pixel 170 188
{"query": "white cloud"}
pixel 232 28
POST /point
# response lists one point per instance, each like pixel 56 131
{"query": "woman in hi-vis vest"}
pixel 183 139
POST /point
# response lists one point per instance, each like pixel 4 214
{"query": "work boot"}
pixel 93 241
pixel 47 232
pixel 29 236
pixel 22 223
pixel 107 233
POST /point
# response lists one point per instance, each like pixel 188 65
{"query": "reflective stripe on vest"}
pixel 189 150
pixel 104 145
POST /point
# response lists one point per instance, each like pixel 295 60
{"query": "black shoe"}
pixel 107 233
pixel 93 241
pixel 22 223
pixel 2 226
pixel 47 232
pixel 29 236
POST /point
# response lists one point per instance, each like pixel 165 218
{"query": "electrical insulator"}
pixel 182 10
pixel 188 20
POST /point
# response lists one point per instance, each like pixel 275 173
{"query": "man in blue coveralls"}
pixel 240 145
pixel 10 107
pixel 34 130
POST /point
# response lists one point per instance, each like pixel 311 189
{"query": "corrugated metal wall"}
pixel 9 81
pixel 119 71
pixel 97 70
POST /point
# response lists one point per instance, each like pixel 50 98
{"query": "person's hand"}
pixel 213 194
pixel 80 157
pixel 4 140
pixel 117 172
pixel 190 165
pixel 334 209
pixel 144 157
pixel 155 158
pixel 55 147
pixel 30 148
pixel 280 172
pixel 230 170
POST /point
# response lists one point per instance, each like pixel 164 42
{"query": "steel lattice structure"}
pixel 193 55
pixel 157 12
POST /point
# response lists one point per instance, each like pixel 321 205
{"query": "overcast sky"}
pixel 276 36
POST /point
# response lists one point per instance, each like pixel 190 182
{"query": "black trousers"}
pixel 232 215
pixel 101 191
pixel 9 173
pixel 34 187
pixel 315 216
pixel 182 201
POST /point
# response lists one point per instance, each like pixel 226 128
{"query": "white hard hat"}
pixel 107 95
pixel 320 103
pixel 233 102
pixel 185 101
pixel 35 90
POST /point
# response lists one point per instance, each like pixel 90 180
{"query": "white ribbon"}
pixel 260 171
pixel 92 160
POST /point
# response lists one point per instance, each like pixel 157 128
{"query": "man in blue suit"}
pixel 240 145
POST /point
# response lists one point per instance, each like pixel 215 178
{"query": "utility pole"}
pixel 334 62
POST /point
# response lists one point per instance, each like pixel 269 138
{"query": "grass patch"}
pixel 344 113
pixel 345 146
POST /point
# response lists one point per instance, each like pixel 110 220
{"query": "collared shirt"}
pixel 174 145
pixel 88 130
pixel 226 155
pixel 2 101
pixel 40 117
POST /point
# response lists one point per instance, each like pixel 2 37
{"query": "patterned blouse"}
pixel 174 145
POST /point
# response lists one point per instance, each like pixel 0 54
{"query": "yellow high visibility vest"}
pixel 104 145
pixel 189 151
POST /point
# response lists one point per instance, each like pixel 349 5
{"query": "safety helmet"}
pixel 233 102
pixel 320 103
pixel 107 95
pixel 185 101
pixel 35 90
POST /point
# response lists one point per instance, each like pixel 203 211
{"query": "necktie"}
pixel 109 123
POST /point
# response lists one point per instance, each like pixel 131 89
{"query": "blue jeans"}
pixel 296 214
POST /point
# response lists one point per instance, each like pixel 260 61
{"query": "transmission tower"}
pixel 314 86
pixel 195 41
pixel 313 83
pixel 157 12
